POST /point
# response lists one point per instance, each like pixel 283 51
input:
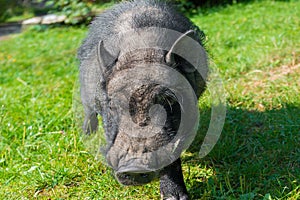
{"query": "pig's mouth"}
pixel 136 178
pixel 135 174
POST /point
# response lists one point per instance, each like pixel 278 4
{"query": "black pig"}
pixel 124 43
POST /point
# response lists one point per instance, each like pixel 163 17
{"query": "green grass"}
pixel 255 46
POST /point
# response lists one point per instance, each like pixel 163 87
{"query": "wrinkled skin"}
pixel 104 56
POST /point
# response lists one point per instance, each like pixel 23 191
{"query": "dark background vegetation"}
pixel 79 11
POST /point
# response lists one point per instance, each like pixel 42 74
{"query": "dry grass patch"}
pixel 269 88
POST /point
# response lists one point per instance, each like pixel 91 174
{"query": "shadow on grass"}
pixel 258 154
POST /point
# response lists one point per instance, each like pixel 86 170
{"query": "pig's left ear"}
pixel 105 59
pixel 190 50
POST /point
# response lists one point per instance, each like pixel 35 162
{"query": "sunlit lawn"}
pixel 256 48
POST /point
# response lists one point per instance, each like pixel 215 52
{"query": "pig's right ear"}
pixel 105 59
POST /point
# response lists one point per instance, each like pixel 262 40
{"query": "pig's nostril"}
pixel 143 123
pixel 144 175
pixel 126 176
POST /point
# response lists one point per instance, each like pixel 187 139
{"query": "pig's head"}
pixel 149 92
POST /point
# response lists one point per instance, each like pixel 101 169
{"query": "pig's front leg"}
pixel 172 185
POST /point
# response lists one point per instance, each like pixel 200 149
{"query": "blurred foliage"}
pixel 76 11
pixel 6 9
pixel 17 10
pixel 82 11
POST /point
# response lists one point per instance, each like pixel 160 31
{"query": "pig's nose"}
pixel 143 123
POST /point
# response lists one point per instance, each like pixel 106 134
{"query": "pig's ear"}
pixel 190 50
pixel 105 59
